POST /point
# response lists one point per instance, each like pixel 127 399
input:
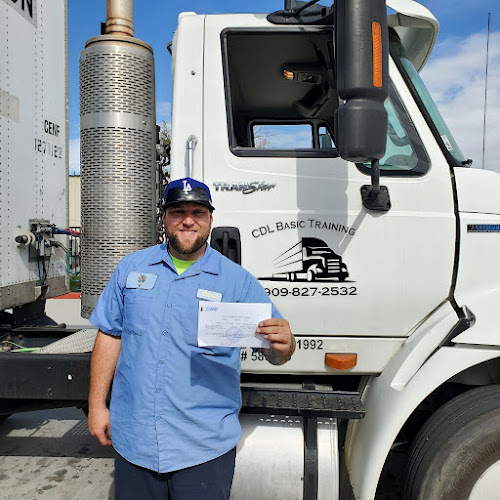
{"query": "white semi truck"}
pixel 415 329
pixel 312 124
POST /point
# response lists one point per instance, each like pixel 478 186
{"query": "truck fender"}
pixel 417 370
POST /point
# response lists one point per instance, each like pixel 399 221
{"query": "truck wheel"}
pixel 456 454
pixel 310 275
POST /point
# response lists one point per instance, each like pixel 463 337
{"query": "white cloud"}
pixel 455 77
pixel 163 111
pixel 74 156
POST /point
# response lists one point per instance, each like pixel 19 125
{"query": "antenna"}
pixel 486 88
pixel 288 5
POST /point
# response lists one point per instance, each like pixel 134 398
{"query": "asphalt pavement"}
pixel 50 455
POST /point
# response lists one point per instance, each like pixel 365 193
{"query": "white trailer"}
pixel 34 207
pixel 33 152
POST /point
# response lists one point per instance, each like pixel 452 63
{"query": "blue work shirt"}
pixel 173 404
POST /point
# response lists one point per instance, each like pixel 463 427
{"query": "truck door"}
pixel 331 266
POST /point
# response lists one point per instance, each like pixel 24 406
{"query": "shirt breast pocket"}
pixel 137 306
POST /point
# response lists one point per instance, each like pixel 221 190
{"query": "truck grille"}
pixel 333 266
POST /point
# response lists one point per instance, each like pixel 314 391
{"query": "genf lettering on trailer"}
pixel 51 128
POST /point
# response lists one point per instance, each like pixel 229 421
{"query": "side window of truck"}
pixel 266 136
pixel 405 154
pixel 280 92
pixel 296 136
pixel 281 100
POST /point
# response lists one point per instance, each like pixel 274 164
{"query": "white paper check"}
pixel 229 324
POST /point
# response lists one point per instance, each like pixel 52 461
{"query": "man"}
pixel 174 410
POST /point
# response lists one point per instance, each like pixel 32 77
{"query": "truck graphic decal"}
pixel 311 259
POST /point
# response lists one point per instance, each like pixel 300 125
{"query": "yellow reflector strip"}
pixel 377 54
pixel 341 361
pixel 289 75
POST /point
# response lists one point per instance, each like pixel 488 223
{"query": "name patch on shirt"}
pixel 146 281
pixel 209 295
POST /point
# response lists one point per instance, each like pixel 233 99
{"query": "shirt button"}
pixel 158 418
pixel 158 390
pixel 161 361
pixel 169 305
pixel 164 332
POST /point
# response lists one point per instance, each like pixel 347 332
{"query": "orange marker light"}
pixel 289 75
pixel 377 54
pixel 341 361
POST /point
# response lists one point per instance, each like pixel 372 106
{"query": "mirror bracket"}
pixel 376 197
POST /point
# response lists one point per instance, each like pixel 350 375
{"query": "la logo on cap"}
pixel 187 187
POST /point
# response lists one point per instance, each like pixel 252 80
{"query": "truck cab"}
pixel 257 124
pixel 397 287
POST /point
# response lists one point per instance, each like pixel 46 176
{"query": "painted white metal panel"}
pixel 486 329
pixel 417 28
pixel 400 262
pixel 478 190
pixel 478 280
pixel 478 271
pixel 33 132
pixel 187 89
pixel 309 357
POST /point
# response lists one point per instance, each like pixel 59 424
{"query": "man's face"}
pixel 187 226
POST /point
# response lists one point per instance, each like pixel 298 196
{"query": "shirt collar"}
pixel 208 263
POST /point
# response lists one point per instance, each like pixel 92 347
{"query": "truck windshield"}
pixel 406 67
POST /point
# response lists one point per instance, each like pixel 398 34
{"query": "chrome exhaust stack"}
pixel 118 149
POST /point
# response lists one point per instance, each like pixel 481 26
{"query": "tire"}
pixel 458 443
pixel 310 275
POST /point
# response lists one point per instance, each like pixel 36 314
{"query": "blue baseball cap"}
pixel 187 190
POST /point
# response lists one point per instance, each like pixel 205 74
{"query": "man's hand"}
pixel 98 422
pixel 102 368
pixel 277 331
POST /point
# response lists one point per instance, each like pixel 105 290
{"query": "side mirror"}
pixel 361 46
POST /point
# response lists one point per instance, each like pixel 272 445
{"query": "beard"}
pixel 186 248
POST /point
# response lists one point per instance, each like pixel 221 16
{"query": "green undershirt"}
pixel 181 265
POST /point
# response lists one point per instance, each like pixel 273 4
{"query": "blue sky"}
pixel 454 73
